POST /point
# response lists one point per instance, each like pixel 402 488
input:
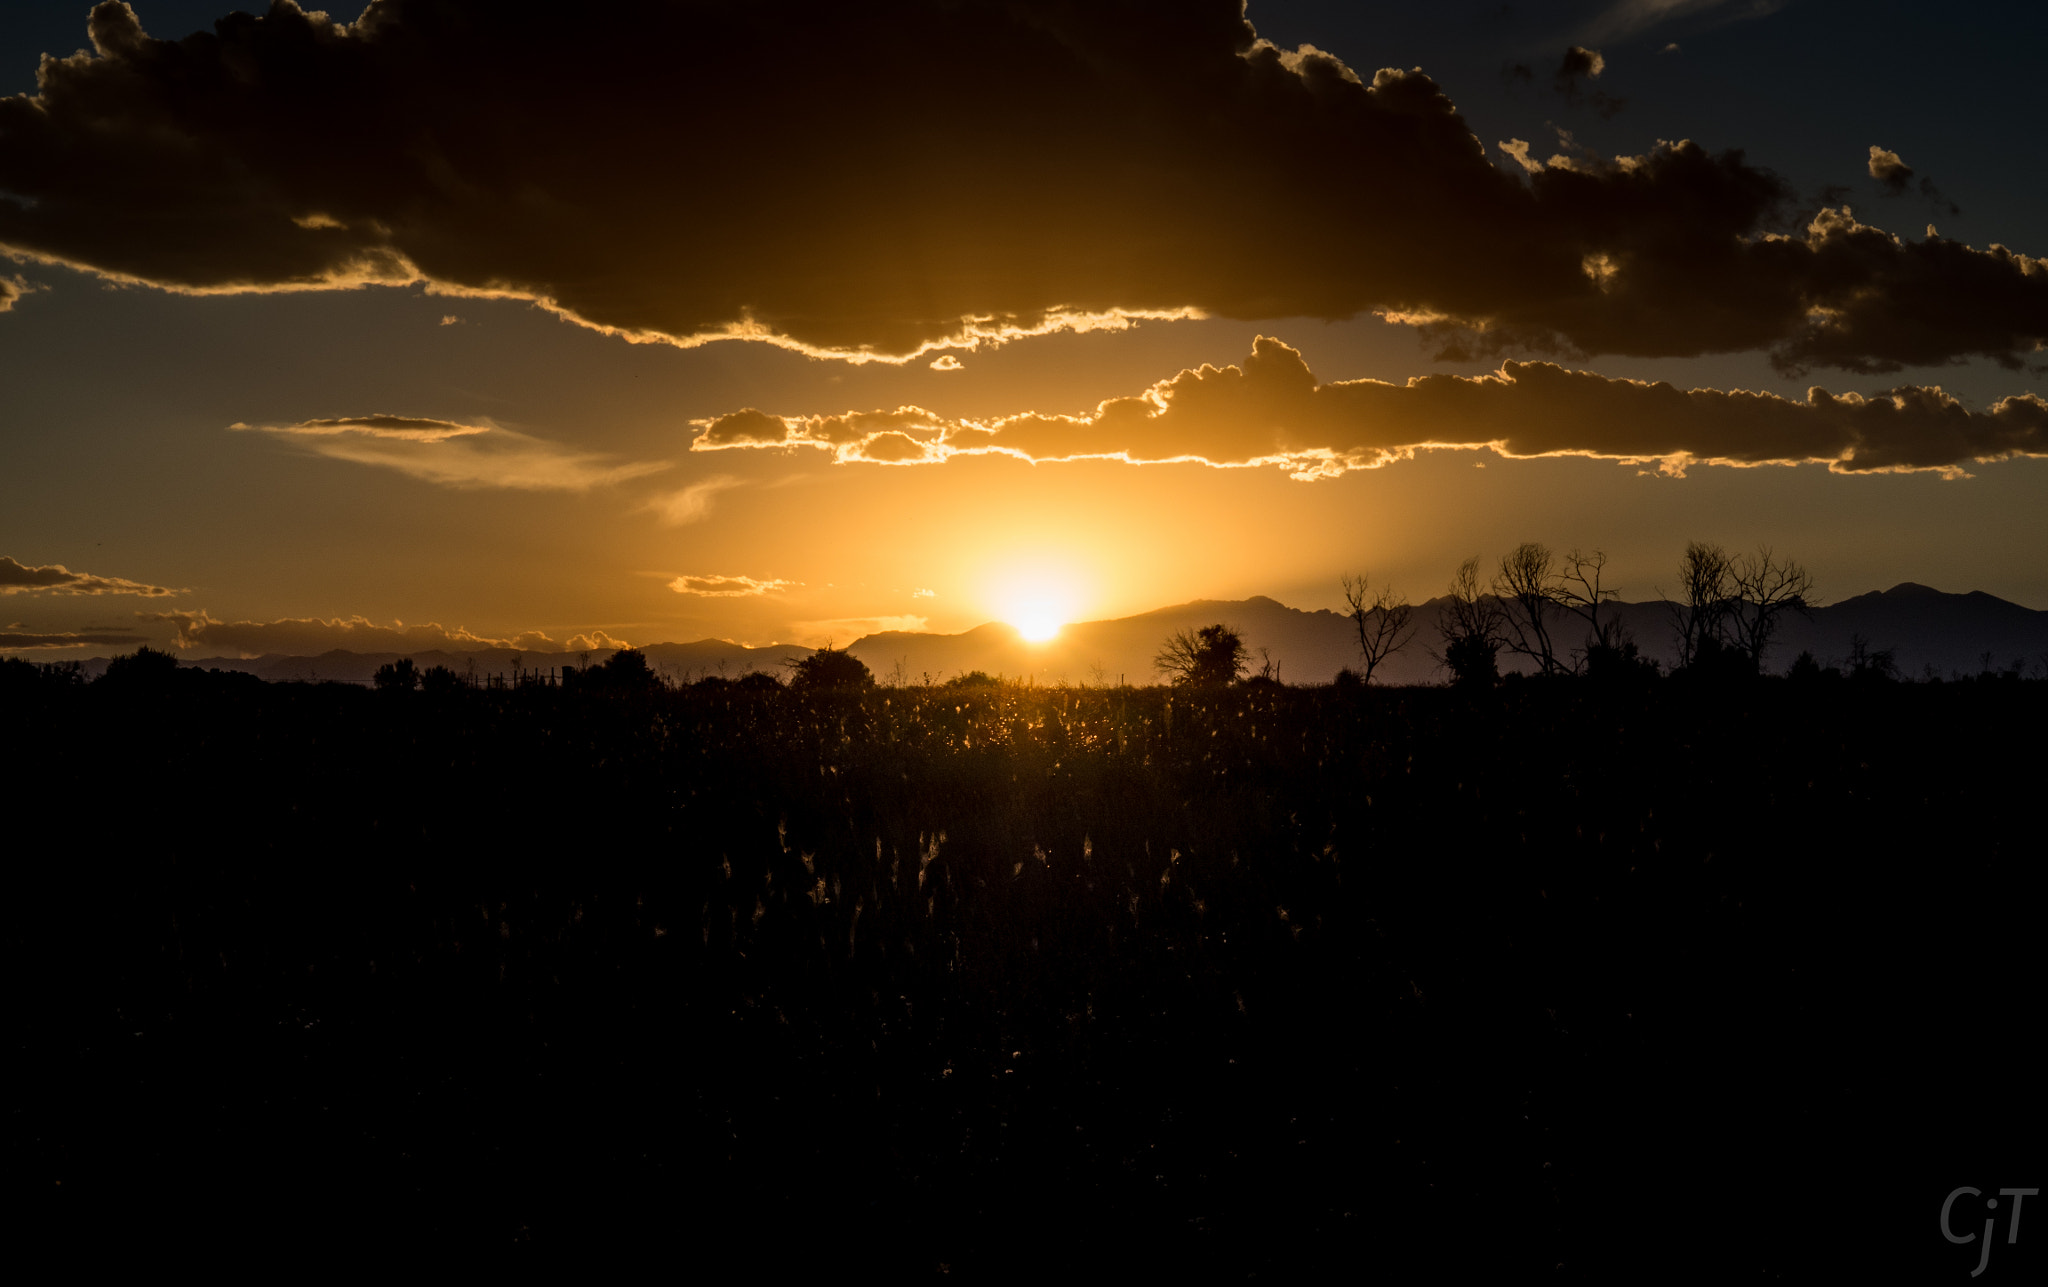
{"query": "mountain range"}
pixel 1927 631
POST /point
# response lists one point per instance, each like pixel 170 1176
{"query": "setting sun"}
pixel 1037 625
pixel 1036 597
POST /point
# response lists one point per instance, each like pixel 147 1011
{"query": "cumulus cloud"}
pixel 595 641
pixel 727 587
pixel 1120 160
pixel 55 578
pixel 454 454
pixel 21 639
pixel 310 636
pixel 1272 411
pixel 11 289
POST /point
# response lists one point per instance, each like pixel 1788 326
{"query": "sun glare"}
pixel 1037 625
pixel 1036 599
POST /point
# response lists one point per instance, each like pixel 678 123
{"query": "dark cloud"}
pixel 1578 65
pixel 1272 411
pixel 1892 172
pixel 310 636
pixel 10 639
pixel 890 178
pixel 55 578
pixel 1887 168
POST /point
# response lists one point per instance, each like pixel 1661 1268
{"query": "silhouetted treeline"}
pixel 1003 979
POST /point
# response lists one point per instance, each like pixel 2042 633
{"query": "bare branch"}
pixel 1470 625
pixel 1382 619
pixel 1765 587
pixel 1526 585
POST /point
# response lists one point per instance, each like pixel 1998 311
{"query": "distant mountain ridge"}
pixel 1924 628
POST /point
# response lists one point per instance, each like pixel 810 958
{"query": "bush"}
pixel 1207 658
pixel 830 668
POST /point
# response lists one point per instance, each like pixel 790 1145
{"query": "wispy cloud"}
pixel 727 587
pixel 834 628
pixel 691 504
pixel 1634 17
pixel 12 639
pixel 12 289
pixel 455 454
pixel 55 578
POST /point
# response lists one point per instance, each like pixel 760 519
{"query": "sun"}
pixel 1037 599
pixel 1037 624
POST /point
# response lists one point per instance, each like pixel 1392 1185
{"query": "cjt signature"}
pixel 1990 1221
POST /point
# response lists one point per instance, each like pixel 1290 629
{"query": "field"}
pixel 1555 979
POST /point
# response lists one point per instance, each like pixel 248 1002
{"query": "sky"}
pixel 420 325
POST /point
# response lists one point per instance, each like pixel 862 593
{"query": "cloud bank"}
pixel 456 455
pixel 55 578
pixel 1273 411
pixel 310 636
pixel 892 178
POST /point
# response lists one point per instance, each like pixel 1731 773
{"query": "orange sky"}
pixel 462 373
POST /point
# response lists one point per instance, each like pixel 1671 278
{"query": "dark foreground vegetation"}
pixel 1653 979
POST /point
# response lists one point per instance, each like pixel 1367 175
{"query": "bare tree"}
pixel 1471 625
pixel 1525 585
pixel 1382 618
pixel 1580 592
pixel 1705 584
pixel 1269 669
pixel 1765 587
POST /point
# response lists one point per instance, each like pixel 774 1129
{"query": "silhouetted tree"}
pixel 973 679
pixel 1580 592
pixel 1206 658
pixel 1704 586
pixel 398 676
pixel 624 671
pixel 440 679
pixel 1871 665
pixel 1382 619
pixel 1525 584
pixel 1470 625
pixel 1765 587
pixel 827 668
